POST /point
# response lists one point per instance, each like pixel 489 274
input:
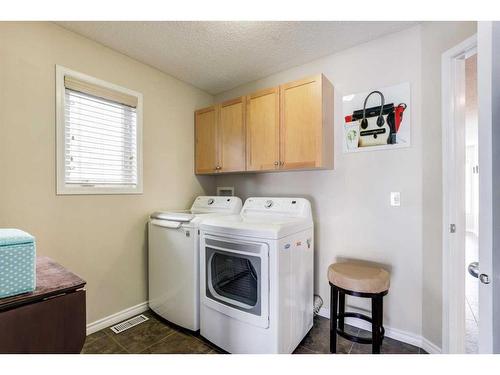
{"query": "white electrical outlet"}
pixel 395 199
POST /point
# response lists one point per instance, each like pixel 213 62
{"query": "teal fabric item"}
pixel 17 262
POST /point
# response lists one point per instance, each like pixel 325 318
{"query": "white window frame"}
pixel 66 189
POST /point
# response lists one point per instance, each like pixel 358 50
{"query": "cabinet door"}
pixel 231 136
pixel 301 124
pixel 263 130
pixel 206 140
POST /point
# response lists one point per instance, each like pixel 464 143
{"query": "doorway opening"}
pixel 471 206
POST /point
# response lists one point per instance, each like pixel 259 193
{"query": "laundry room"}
pixel 268 186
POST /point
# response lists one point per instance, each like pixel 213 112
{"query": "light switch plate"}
pixel 395 198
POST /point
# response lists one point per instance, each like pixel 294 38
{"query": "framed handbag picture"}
pixel 377 119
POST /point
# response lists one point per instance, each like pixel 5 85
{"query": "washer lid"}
pixel 180 216
pixel 203 206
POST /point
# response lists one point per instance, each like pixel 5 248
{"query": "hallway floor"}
pixel 471 296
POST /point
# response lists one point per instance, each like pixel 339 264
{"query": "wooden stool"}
pixel 361 281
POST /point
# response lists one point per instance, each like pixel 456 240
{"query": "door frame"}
pixel 453 246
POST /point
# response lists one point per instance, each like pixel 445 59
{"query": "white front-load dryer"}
pixel 173 261
pixel 256 276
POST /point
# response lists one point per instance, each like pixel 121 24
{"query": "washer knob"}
pixel 211 201
pixel 268 204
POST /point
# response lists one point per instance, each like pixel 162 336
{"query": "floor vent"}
pixel 132 322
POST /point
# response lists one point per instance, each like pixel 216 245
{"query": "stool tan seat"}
pixel 358 277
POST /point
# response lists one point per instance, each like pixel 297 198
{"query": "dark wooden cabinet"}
pixel 52 319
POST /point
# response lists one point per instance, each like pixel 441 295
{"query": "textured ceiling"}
pixel 218 56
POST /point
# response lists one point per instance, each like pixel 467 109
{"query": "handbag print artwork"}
pixel 373 126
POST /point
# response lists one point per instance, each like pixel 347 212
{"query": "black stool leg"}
pixel 376 323
pixel 341 310
pixel 382 319
pixel 334 294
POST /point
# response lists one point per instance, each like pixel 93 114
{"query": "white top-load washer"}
pixel 256 276
pixel 174 258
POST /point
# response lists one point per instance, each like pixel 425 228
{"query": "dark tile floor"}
pixel 156 336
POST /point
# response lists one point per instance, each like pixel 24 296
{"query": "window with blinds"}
pixel 100 137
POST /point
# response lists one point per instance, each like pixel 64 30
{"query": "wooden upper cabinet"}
pixel 206 140
pixel 281 128
pixel 262 139
pixel 306 126
pixel 231 136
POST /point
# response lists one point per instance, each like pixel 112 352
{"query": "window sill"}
pixel 98 191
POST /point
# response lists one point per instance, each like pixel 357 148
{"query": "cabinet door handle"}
pixel 276 163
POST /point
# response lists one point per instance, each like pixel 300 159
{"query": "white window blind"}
pixel 99 136
pixel 100 141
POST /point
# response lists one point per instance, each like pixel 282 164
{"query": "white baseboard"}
pixel 393 333
pixel 430 347
pixel 116 317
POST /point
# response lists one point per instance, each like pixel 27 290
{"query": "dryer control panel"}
pixel 291 207
pixel 216 204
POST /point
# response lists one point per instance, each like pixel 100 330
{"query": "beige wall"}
pixel 101 238
pixel 351 203
pixel 437 37
pixel 353 218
